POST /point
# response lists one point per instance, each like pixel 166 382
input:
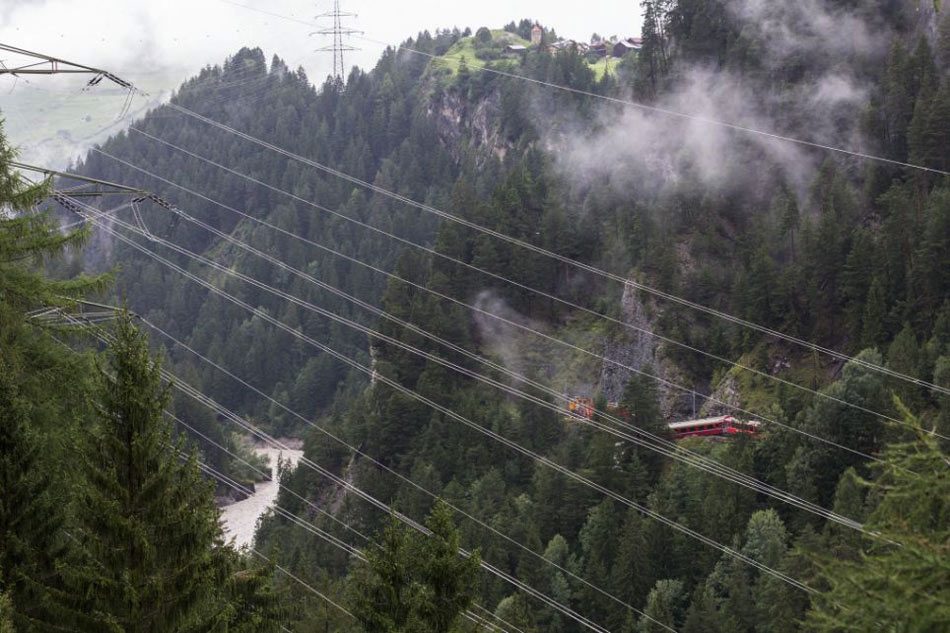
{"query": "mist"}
pixel 648 152
pixel 567 370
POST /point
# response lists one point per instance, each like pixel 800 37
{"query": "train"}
pixel 723 425
pixel 717 426
pixel 581 407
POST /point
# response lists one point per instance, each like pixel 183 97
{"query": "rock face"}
pixel 629 347
pixel 462 123
pixel 726 396
pixel 637 349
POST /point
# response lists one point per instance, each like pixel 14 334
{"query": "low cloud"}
pixel 805 27
pixel 644 151
pixel 565 369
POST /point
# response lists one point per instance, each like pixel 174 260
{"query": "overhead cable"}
pixel 564 259
pixel 347 485
pixel 665 447
pixel 462 419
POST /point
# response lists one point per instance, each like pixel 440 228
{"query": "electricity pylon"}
pixel 42 64
pixel 94 188
pixel 338 31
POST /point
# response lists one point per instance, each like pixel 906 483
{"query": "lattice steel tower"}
pixel 338 31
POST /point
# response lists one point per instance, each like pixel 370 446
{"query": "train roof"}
pixel 687 424
pixel 700 422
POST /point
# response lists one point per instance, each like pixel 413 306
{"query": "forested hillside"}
pixel 378 282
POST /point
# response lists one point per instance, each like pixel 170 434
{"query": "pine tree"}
pixel 814 470
pixel 903 575
pixel 598 540
pixel 412 582
pixel 935 136
pixel 903 355
pixel 28 238
pixel 942 378
pixel 39 383
pixel 31 519
pixel 666 606
pixel 874 329
pixel 6 614
pixel 148 524
pixel 641 404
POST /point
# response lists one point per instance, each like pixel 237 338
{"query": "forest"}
pixel 414 268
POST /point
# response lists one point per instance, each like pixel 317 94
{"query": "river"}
pixel 240 519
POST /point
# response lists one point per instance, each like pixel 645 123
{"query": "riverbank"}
pixel 239 519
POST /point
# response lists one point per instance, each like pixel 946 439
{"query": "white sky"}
pixel 134 38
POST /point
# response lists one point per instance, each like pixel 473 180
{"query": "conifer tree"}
pixel 902 577
pixel 665 607
pixel 875 308
pixel 148 524
pixel 412 582
pixel 6 614
pixel 903 356
pixel 36 381
pixel 31 537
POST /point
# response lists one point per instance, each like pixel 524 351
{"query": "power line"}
pixel 480 310
pixel 359 452
pixel 627 102
pixel 562 258
pixel 347 485
pixel 664 447
pixel 460 418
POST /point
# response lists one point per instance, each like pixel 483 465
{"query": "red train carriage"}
pixel 713 427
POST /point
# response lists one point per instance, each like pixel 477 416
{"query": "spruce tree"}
pixel 148 524
pixel 412 582
pixel 31 520
pixel 666 606
pixel 875 314
pixel 901 580
pixel 37 380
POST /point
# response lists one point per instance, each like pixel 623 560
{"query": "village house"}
pixel 600 48
pixel 629 45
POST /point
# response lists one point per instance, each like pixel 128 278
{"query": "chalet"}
pixel 515 49
pixel 600 48
pixel 629 45
pixel 564 45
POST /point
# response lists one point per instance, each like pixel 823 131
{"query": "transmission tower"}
pixel 338 31
pixel 42 64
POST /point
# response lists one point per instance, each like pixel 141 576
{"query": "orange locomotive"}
pixel 581 407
